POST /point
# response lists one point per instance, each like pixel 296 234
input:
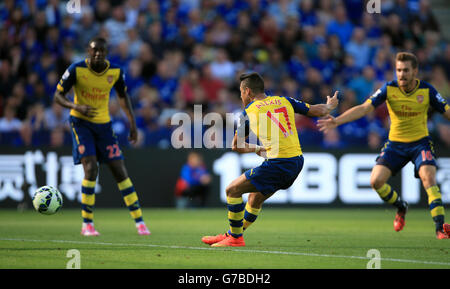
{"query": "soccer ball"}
pixel 47 200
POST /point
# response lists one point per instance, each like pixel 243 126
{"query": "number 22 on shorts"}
pixel 113 150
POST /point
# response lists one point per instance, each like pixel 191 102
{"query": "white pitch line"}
pixel 230 249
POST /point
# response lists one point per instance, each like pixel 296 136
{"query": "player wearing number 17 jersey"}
pixel 93 138
pixel 271 119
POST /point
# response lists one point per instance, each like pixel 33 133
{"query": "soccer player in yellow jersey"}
pixel 93 138
pixel 271 119
pixel 408 100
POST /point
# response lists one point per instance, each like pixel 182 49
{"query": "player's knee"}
pixel 232 191
pixel 118 170
pixel 229 190
pixel 428 180
pixel 376 183
pixel 427 176
pixel 90 170
pixel 254 201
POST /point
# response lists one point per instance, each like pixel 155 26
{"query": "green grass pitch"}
pixel 293 238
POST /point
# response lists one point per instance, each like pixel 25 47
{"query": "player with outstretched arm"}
pixel 271 119
pixel 92 134
pixel 408 100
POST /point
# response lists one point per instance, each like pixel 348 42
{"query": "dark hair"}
pixel 406 56
pixel 254 81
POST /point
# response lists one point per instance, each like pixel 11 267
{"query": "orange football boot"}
pixel 446 228
pixel 442 235
pixel 399 221
pixel 445 233
pixel 214 239
pixel 230 241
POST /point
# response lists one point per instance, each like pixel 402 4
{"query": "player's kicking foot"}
pixel 399 221
pixel 444 233
pixel 142 229
pixel 214 239
pixel 89 230
pixel 230 241
pixel 446 228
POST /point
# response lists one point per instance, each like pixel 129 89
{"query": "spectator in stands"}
pixel 426 17
pixel 308 16
pixel 134 79
pixel 116 26
pixel 57 138
pixel 86 29
pixel 363 85
pixel 165 82
pixel 221 67
pixel 120 54
pixel 358 48
pixel 190 90
pixel 193 183
pixel 332 140
pixel 119 122
pixel 324 63
pixel 349 70
pixel 325 12
pixel 381 63
pixel 441 83
pixel 340 25
pixel 371 28
pixel 210 83
pixel 402 10
pixel 56 116
pixel 9 122
pixel 322 44
pixel 281 10
pixel 275 68
pixel 395 30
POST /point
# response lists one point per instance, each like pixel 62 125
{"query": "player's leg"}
pixel 427 174
pixel 109 152
pixel 391 160
pixel 253 207
pixel 236 210
pixel 262 182
pixel 84 152
pixel 425 169
pixel 90 168
pixel 378 180
pixel 129 194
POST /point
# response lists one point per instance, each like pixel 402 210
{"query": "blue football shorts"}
pixel 395 155
pixel 91 139
pixel 275 174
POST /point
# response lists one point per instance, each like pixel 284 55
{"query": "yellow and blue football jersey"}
pixel 408 111
pixel 92 88
pixel 272 121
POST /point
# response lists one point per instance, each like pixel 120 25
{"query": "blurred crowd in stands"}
pixel 180 53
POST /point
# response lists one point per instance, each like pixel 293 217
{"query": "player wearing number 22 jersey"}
pixel 271 119
pixel 93 137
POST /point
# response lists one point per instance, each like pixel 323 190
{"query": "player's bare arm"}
pixel 62 100
pixel 241 146
pixel 447 114
pixel 352 114
pixel 125 104
pixel 322 109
